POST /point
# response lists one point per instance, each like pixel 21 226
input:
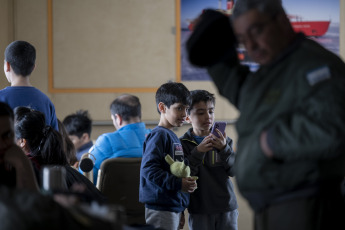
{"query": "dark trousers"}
pixel 325 211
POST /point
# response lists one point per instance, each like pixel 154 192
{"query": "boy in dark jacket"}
pixel 165 196
pixel 213 205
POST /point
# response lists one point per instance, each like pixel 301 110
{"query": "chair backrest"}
pixel 118 179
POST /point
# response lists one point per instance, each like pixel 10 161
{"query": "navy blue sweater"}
pixel 159 189
pixel 16 96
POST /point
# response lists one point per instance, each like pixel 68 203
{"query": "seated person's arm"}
pixel 24 172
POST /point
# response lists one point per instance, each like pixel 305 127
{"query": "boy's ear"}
pixel 7 66
pixel 85 136
pixel 118 119
pixel 23 144
pixel 161 107
pixel 188 120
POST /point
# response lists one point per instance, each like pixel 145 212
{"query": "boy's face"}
pixel 173 116
pixel 202 116
pixel 77 142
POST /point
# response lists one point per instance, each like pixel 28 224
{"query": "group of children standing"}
pixel 212 203
pixel 210 199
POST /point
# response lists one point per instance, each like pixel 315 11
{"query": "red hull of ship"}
pixel 311 28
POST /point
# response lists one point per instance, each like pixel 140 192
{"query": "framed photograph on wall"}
pixel 317 19
pixel 189 10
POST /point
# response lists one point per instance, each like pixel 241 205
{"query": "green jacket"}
pixel 300 100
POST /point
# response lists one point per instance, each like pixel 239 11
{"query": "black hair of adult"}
pixel 78 123
pixel 173 92
pixel 127 106
pixel 22 56
pixel 6 110
pixel 68 144
pixel 44 142
pixel 201 95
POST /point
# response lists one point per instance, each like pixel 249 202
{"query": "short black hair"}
pixel 201 95
pixel 127 106
pixel 171 93
pixel 22 56
pixel 6 110
pixel 78 123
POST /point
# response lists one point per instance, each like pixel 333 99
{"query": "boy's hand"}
pixel 188 184
pixel 218 143
pixel 206 145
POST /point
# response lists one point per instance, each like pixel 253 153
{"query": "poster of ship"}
pixel 317 19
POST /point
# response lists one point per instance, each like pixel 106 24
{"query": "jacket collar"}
pixel 188 135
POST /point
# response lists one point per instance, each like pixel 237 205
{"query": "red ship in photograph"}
pixel 309 28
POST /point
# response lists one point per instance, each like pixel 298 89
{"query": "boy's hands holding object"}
pixel 206 145
pixel 218 142
pixel 218 135
pixel 188 184
pixel 211 141
pixel 179 169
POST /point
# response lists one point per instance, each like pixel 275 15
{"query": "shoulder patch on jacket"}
pixel 319 74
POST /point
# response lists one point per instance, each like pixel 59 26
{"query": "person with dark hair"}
pixel 44 146
pixel 78 127
pixel 128 139
pixel 291 129
pixel 68 146
pixel 212 160
pixel 166 196
pixel 22 204
pixel 20 57
pixel 15 169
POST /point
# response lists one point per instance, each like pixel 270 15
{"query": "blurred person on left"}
pixel 15 168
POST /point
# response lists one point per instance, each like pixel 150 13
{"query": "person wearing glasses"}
pixel 290 160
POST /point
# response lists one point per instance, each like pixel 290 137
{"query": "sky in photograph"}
pixel 308 9
pixel 314 9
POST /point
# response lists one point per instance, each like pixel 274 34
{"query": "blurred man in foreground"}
pixel 291 130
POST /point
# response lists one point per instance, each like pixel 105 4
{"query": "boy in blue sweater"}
pixel 165 196
pixel 20 58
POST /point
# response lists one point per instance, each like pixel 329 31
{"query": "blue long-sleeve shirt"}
pixel 29 96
